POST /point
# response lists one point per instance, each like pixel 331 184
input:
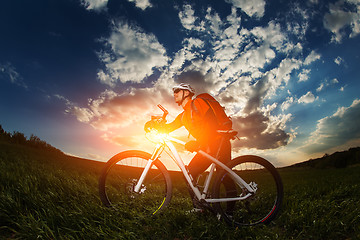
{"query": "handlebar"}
pixel 156 120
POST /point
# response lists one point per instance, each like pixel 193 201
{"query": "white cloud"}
pixel 307 98
pixel 320 88
pixel 187 17
pixel 67 101
pixel 130 55
pixel 271 35
pixel 237 57
pixel 234 51
pixel 287 103
pixel 283 71
pixel 82 114
pixel 118 110
pixel 340 17
pixel 98 5
pixel 302 15
pixel 254 59
pixel 253 8
pixel 214 21
pixel 9 72
pixel 327 83
pixel 95 5
pixel 248 57
pixel 243 68
pixel 304 75
pixel 312 57
pixel 143 4
pixel 336 130
pixel 338 60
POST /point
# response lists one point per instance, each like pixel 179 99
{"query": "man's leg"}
pixel 200 163
pixel 197 166
pixel 229 184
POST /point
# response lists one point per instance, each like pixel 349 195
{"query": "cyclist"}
pixel 202 125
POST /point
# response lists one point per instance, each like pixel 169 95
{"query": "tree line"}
pixel 19 138
pixel 336 160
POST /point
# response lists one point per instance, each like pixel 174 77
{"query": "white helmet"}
pixel 184 86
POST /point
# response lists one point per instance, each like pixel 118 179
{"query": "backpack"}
pixel 224 122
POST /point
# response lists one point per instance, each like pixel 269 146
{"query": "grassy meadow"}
pixel 48 195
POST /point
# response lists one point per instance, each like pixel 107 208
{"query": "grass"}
pixel 46 195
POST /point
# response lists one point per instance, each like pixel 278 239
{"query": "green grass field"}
pixel 47 195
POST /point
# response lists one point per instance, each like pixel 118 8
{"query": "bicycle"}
pixel 245 191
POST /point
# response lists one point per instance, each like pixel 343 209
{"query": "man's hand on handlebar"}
pixel 157 122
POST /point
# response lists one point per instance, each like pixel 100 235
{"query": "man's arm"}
pixel 173 125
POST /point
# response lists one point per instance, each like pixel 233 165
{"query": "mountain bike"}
pixel 245 191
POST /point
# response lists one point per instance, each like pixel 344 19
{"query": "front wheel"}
pixel 120 176
pixel 263 205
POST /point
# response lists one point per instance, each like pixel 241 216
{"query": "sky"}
pixel 85 75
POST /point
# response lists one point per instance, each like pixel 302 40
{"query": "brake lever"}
pixel 164 110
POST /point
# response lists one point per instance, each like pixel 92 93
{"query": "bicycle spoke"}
pixel 121 175
pixel 263 205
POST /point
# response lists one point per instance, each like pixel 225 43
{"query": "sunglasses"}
pixel 177 90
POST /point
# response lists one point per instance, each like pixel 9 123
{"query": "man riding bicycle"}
pixel 234 196
pixel 201 121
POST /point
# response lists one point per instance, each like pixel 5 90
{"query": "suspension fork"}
pixel 159 148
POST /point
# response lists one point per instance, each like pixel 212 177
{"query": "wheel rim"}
pixel 120 182
pixel 259 208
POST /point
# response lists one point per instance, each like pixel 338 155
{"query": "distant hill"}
pixel 33 141
pixel 17 145
pixel 335 160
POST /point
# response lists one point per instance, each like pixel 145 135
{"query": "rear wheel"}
pixel 120 176
pixel 263 205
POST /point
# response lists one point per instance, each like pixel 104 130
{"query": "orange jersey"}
pixel 201 124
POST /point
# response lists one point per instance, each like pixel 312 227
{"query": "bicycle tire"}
pixel 119 177
pixel 263 206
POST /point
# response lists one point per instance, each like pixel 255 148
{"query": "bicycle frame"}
pixel 167 142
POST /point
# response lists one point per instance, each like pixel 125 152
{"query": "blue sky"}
pixel 85 75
